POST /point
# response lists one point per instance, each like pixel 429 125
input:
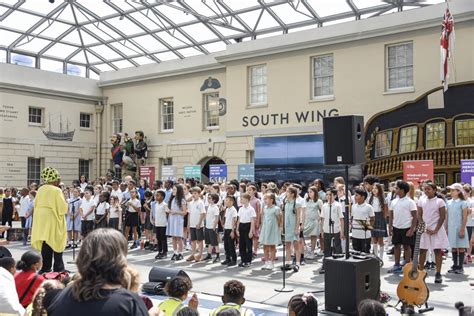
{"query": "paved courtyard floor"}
pixel 208 280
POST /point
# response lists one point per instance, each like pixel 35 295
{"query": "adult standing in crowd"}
pixel 48 233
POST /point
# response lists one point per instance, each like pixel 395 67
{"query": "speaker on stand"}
pixel 158 277
pixel 347 281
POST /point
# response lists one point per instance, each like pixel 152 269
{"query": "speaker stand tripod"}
pixel 410 309
pixel 284 289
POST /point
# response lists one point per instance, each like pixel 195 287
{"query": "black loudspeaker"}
pixel 158 277
pixel 344 140
pixel 349 281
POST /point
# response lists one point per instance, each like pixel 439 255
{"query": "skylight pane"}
pixel 20 21
pixel 3 56
pixel 329 7
pixel 199 32
pixel 175 13
pixel 123 64
pixel 40 6
pixel 174 40
pixel 127 48
pixel 166 56
pixel 288 15
pixel 241 4
pixel 22 60
pixel 215 47
pixel 79 58
pixel 88 39
pixel 102 31
pixel 34 45
pixel 100 7
pixel 104 67
pixel 187 52
pixel 202 8
pixel 105 52
pixel 149 43
pixel 92 58
pixel 54 30
pixel 8 37
pixel 73 38
pixel 149 20
pixel 60 50
pixel 251 17
pixel 143 60
pixel 361 4
pixel 51 65
pixel 267 21
pixel 76 70
pixel 125 25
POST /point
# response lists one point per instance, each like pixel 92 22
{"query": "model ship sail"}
pixel 62 135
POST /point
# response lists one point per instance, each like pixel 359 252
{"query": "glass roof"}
pixel 104 35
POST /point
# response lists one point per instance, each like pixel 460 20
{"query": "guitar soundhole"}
pixel 413 275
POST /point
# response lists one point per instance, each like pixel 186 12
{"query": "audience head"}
pixel 44 296
pixel 303 305
pixel 369 307
pixel 178 287
pixel 102 260
pixel 8 263
pixel 30 260
pixel 234 292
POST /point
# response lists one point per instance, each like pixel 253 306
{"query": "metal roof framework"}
pixel 109 35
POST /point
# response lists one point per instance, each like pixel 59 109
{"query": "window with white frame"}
pixel 408 137
pixel 323 76
pixel 167 114
pixel 84 168
pixel 85 120
pixel 383 144
pixel 399 63
pixel 35 115
pixel 249 156
pixel 257 85
pixel 34 170
pixel 465 132
pixel 117 118
pixel 211 110
pixel 435 135
pixel 440 180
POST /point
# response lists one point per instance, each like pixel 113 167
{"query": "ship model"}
pixel 61 135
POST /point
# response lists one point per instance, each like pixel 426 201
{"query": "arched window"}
pixel 408 136
pixel 465 132
pixel 435 132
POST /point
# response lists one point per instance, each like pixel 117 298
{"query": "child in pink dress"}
pixel 432 211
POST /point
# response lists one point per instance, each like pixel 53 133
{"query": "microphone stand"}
pixel 73 232
pixel 284 289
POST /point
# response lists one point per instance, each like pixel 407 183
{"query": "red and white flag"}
pixel 447 46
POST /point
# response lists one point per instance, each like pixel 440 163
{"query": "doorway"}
pixel 205 163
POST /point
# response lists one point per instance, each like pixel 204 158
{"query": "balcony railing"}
pixel 443 158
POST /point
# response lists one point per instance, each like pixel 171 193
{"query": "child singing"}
pixel 102 210
pixel 197 213
pixel 270 232
pixel 246 226
pixel 212 219
pixel 73 218
pixel 115 213
pixel 230 224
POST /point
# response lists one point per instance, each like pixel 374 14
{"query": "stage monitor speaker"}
pixel 344 140
pixel 349 281
pixel 158 277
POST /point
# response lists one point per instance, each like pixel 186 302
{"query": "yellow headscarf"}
pixel 50 175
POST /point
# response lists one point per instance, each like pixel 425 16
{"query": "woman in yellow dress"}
pixel 48 233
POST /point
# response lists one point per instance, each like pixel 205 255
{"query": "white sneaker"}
pixel 310 256
pixel 270 266
pixel 265 266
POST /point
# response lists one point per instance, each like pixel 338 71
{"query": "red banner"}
pixel 148 173
pixel 417 171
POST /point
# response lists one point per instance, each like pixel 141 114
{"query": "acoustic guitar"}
pixel 412 289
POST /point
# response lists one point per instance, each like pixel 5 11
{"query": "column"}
pixel 99 108
pixel 449 133
pixel 421 145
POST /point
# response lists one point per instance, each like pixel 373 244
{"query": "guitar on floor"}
pixel 412 289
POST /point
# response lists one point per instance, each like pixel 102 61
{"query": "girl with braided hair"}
pixel 48 233
pixel 303 305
